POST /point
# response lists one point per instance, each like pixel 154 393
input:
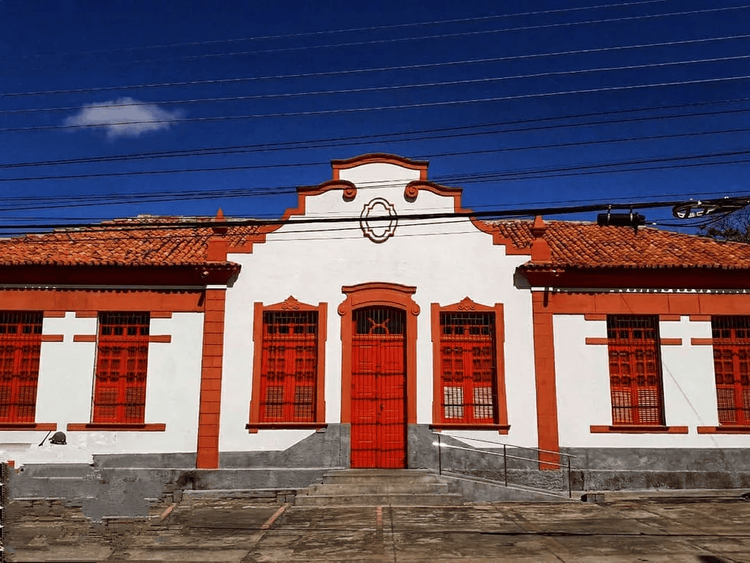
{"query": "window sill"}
pixel 501 428
pixel 639 429
pixel 41 426
pixel 255 426
pixel 724 429
pixel 124 427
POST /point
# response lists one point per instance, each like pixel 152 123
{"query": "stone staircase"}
pixel 379 487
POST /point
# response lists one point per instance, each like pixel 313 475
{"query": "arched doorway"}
pixel 378 372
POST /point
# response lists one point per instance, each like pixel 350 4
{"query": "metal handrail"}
pixel 515 446
pixel 505 457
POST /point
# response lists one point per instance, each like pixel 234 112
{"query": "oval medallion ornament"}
pixel 378 220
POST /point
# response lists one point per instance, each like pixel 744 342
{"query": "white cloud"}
pixel 124 117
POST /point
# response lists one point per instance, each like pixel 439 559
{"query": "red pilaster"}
pixel 211 370
pixel 546 393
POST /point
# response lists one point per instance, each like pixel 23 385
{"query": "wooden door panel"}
pixel 378 433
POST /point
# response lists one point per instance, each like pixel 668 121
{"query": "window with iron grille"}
pixel 731 341
pixel 468 367
pixel 635 370
pixel 121 365
pixel 20 349
pixel 289 367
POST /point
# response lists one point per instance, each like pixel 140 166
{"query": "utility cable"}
pixel 378 69
pixel 340 111
pixel 388 88
pixel 427 37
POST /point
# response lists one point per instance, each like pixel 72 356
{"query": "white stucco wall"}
pixel 583 392
pixel 446 260
pixel 66 384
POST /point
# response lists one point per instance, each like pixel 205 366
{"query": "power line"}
pixel 431 37
pixel 408 136
pixel 379 69
pixel 392 107
pixel 347 30
pixel 208 223
pixel 484 80
pixel 471 178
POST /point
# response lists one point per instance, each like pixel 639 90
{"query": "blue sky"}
pixel 521 103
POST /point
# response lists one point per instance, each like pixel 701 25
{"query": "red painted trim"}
pixel 289 304
pixel 411 192
pixel 192 275
pixel 467 304
pixel 670 341
pixel 161 314
pixel 94 426
pixel 724 429
pixel 701 341
pixel 211 371
pixel 597 341
pixel 160 338
pixel 641 278
pixel 501 428
pixel 87 302
pixel 253 428
pixel 84 338
pixel 53 337
pixel 639 429
pixel 684 304
pixel 349 190
pixel 700 318
pixel 670 318
pixel 380 158
pixel 594 317
pixel 54 314
pixel 39 426
pixel 546 391
pixel 87 315
pixel 388 295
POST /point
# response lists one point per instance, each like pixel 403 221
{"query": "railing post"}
pixel 505 464
pixel 440 456
pixel 570 485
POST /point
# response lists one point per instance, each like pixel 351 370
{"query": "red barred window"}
pixel 20 349
pixel 289 367
pixel 635 370
pixel 122 357
pixel 468 368
pixel 731 336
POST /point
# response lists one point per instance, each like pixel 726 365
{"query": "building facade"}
pixel 265 354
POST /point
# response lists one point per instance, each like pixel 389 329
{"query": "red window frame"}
pixel 468 355
pixel 635 370
pixel 288 366
pixel 731 344
pixel 121 368
pixel 20 352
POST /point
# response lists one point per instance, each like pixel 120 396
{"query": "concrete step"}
pixel 377 487
pixel 385 476
pixel 399 499
pixel 370 487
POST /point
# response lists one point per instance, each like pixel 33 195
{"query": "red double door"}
pixel 378 406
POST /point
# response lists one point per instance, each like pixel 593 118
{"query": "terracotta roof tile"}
pixel 136 242
pixel 587 245
pixel 122 242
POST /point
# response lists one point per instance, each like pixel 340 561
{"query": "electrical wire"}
pixel 410 136
pixel 340 111
pixel 456 35
pixel 346 30
pixel 377 69
pixel 388 88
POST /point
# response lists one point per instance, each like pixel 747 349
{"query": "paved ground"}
pixel 664 529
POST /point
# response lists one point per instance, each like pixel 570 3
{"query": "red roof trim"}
pixel 380 158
